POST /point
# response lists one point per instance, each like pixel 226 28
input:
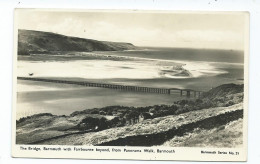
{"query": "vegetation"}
pixel 158 130
pixel 21 120
pixel 35 42
pixel 222 96
pixel 45 125
pixel 230 135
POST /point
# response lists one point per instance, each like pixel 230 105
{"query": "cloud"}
pixel 141 30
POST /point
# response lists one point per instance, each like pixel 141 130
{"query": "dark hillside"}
pixel 224 90
pixel 33 42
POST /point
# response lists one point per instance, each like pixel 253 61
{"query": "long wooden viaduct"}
pixel 182 92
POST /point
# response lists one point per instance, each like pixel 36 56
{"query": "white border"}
pixel 6 42
pixel 182 153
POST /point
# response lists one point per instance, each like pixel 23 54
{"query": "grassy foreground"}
pixel 213 120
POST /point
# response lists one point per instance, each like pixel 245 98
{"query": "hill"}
pixel 34 42
pixel 224 90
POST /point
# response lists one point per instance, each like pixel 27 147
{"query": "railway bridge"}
pixel 182 92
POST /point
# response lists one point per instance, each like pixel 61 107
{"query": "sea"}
pixel 197 69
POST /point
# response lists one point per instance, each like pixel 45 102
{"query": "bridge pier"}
pixel 188 94
pixel 119 87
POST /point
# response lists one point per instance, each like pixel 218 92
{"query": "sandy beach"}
pixel 40 97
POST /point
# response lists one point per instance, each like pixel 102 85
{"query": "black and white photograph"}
pixel 120 80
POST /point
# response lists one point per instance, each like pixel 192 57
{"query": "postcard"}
pixel 130 84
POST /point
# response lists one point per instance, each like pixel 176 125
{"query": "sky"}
pixel 209 30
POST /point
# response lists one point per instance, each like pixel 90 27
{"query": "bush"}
pixel 132 114
pixel 93 123
pixel 102 113
pixel 229 103
pixel 183 102
pixel 198 101
pixel 94 112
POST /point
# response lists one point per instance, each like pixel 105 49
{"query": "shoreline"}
pixel 144 68
pixel 202 68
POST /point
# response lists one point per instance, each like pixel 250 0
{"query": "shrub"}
pixel 93 123
pixel 94 112
pixel 182 102
pixel 102 113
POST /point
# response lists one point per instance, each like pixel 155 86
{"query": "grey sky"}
pixel 195 30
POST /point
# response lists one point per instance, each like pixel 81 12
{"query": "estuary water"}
pixel 151 67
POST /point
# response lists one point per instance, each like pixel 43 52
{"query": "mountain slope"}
pixel 43 42
pixel 224 90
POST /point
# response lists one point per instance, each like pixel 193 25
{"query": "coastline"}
pixel 194 69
